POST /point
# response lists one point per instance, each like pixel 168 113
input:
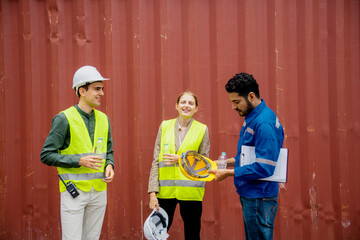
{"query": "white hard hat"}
pixel 86 74
pixel 155 226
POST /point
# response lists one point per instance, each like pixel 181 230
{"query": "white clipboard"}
pixel 280 173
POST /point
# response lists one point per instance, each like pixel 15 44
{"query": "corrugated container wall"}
pixel 304 54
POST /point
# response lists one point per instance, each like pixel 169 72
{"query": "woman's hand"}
pixel 170 159
pixel 154 203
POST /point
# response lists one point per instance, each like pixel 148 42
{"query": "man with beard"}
pixel 263 130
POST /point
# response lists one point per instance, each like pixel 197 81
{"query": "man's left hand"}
pixel 109 174
pixel 221 174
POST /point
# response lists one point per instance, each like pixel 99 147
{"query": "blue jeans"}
pixel 259 216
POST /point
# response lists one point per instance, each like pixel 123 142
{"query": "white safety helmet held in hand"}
pixel 85 75
pixel 155 226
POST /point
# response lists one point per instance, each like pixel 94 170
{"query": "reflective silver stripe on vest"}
pixel 167 183
pixel 83 176
pixel 185 183
pixel 87 154
pixel 162 164
pixel 181 183
pixel 265 161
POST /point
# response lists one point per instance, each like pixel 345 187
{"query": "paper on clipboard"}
pixel 280 173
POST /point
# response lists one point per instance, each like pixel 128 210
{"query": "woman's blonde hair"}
pixel 188 93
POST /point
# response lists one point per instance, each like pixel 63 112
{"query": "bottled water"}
pixel 99 148
pixel 222 161
pixel 166 149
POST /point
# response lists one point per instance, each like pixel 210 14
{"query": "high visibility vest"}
pixel 81 145
pixel 172 183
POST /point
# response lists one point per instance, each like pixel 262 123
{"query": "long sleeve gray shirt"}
pixel 59 139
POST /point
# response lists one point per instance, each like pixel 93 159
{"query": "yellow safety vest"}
pixel 81 145
pixel 172 183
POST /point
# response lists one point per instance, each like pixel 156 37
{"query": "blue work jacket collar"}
pixel 257 110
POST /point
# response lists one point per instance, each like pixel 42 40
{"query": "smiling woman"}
pixel 167 185
pixel 187 106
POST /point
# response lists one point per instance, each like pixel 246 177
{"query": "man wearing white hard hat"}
pixel 81 147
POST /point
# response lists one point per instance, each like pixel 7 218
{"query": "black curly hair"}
pixel 243 84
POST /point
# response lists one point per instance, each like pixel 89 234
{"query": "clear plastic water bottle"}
pixel 99 148
pixel 222 161
pixel 166 149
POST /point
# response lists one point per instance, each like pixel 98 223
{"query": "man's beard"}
pixel 248 110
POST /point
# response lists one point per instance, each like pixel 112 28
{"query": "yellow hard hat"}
pixel 196 167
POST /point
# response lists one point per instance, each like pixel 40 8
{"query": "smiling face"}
pixel 186 106
pixel 92 96
pixel 242 105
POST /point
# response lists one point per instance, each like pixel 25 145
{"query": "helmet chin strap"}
pixel 157 232
pixel 162 219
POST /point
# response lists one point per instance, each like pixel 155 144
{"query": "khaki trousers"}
pixel 82 217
